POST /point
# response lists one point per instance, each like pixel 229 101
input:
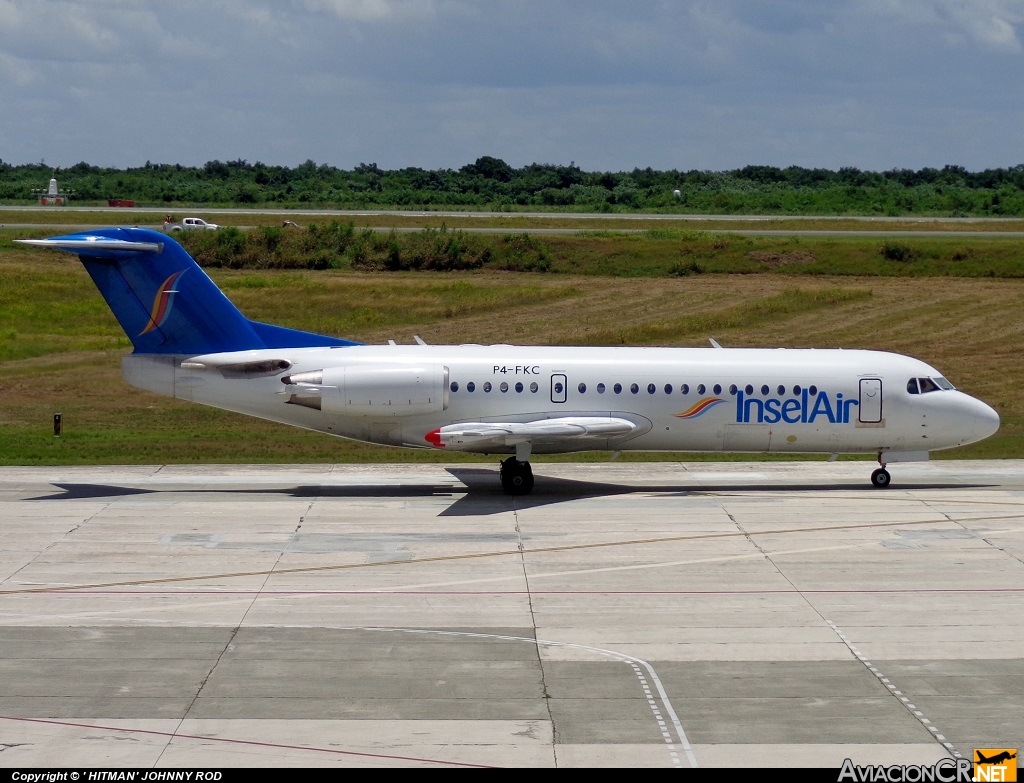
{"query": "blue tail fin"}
pixel 164 301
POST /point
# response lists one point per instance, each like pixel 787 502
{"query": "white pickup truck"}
pixel 189 223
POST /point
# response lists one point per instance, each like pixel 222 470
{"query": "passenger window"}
pixel 912 386
pixel 471 387
pixel 487 386
pixel 600 388
pixel 582 388
pixel 668 388
pixel 700 388
pixel 617 388
pixel 455 386
pixel 685 388
pixel 534 387
pixel 519 388
pixel 651 388
pixel 503 387
pixel 634 388
pixel 733 389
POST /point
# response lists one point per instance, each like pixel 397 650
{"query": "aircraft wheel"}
pixel 516 477
pixel 881 478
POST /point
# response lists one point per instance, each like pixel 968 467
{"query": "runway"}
pixel 923 233
pixel 625 614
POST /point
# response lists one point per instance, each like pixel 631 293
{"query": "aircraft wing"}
pixel 542 431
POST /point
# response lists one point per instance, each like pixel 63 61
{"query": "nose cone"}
pixel 986 421
pixel 959 419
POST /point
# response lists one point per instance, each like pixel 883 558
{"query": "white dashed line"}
pixel 637 664
pixel 885 681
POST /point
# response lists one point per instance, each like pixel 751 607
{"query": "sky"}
pixel 605 85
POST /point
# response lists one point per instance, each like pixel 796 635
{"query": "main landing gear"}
pixel 516 476
pixel 516 473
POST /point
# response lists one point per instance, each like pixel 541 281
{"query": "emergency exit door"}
pixel 558 390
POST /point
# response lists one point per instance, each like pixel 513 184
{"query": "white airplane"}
pixel 191 343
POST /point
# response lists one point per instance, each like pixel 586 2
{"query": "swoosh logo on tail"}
pixel 162 303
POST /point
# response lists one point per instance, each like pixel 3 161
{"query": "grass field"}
pixel 60 348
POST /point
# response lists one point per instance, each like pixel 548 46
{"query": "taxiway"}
pixel 624 614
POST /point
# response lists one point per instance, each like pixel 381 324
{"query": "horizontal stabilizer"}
pixel 96 244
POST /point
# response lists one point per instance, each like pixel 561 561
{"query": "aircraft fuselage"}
pixel 678 399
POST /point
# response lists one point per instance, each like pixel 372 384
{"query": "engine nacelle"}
pixel 371 390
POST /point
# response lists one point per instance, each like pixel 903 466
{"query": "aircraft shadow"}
pixel 483 495
pixel 547 490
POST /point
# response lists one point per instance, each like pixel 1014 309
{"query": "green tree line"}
pixel 491 184
pixel 343 246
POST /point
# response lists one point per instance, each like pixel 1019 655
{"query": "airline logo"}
pixel 803 408
pixel 699 408
pixel 162 303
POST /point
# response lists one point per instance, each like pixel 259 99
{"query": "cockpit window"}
pixel 925 385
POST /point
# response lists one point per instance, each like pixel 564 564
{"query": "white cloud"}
pixel 374 10
pixel 991 23
pixel 16 71
pixel 10 14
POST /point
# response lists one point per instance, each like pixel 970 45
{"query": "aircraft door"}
pixel 558 388
pixel 870 408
